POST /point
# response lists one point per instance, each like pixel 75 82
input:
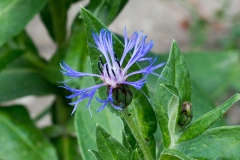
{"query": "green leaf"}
pixel 96 154
pixel 108 147
pixel 213 72
pixel 11 21
pixel 54 16
pixel 8 57
pixel 16 47
pixel 205 121
pixel 172 154
pixel 166 109
pixel 171 91
pixel 176 73
pixel 139 114
pixel 22 41
pixel 135 155
pixel 201 104
pixel 21 78
pixel 234 82
pixel 21 138
pixel 215 143
pixel 106 10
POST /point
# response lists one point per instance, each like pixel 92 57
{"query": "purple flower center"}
pixel 112 75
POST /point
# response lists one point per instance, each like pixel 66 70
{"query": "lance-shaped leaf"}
pixel 15 14
pixel 20 138
pixel 109 148
pixel 176 73
pixel 176 79
pixel 139 115
pixel 215 143
pixel 208 119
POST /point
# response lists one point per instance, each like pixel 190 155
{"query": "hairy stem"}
pixel 140 139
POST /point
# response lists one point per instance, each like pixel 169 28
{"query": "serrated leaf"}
pixel 215 143
pixel 172 154
pixel 11 21
pixel 21 138
pixel 141 120
pixel 108 147
pixel 205 121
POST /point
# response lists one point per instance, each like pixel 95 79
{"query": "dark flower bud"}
pixel 122 96
pixel 186 114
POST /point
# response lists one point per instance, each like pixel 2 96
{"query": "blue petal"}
pixel 68 71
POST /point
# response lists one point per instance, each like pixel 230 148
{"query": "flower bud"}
pixel 122 96
pixel 186 114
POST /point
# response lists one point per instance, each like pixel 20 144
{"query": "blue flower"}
pixel 112 72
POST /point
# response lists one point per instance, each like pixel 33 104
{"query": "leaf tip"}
pixel 174 43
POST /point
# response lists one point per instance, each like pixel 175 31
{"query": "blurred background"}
pixel 198 26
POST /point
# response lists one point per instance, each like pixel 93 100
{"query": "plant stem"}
pixel 140 139
pixel 42 114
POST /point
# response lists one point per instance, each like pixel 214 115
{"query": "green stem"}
pixel 140 139
pixel 42 114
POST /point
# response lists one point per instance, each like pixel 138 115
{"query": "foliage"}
pixel 145 129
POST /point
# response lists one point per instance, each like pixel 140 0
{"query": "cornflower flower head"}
pixel 112 72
